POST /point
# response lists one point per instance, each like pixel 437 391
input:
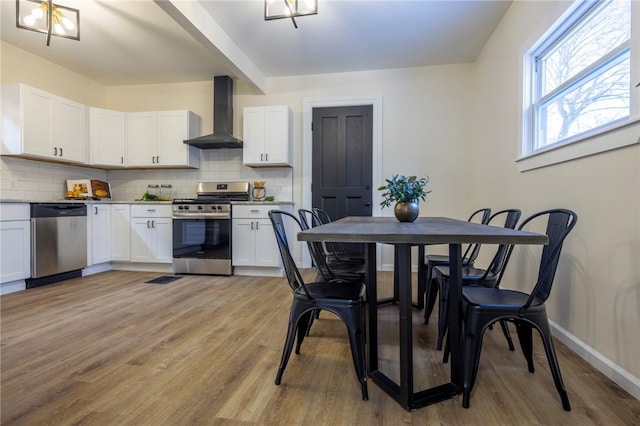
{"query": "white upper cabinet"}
pixel 155 139
pixel 108 137
pixel 42 125
pixel 267 133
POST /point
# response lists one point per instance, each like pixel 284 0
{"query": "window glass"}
pixel 588 41
pixel 581 76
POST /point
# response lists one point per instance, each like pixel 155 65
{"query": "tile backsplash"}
pixel 22 179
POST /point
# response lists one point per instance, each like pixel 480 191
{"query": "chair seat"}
pixel 349 291
pixel 496 298
pixel 469 273
pixel 437 259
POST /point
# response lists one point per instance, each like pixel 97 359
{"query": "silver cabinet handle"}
pixel 257 225
pixel 96 210
pixel 60 152
pixel 55 151
pixel 157 159
pixel 255 211
pixel 121 160
pixel 148 224
pixel 151 210
pixel 266 156
pixel 251 225
pixel 153 223
pixel 261 157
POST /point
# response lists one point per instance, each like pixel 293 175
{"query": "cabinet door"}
pixel 143 240
pixel 152 240
pixel 120 232
pixel 37 125
pixel 71 136
pixel 100 221
pixel 163 229
pixel 142 137
pixel 243 242
pixel 253 136
pixel 267 252
pixel 277 134
pixel 173 129
pixel 107 137
pixel 15 244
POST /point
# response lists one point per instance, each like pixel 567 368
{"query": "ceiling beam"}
pixel 202 27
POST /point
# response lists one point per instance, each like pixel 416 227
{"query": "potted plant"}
pixel 405 192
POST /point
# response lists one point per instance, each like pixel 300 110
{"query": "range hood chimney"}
pixel 222 118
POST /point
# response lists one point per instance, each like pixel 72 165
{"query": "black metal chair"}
pixel 328 271
pixel 335 251
pixel 474 276
pixel 345 299
pixel 428 292
pixel 484 306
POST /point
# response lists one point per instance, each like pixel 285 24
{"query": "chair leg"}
pixel 356 341
pixel 507 334
pixel 553 364
pixel 471 356
pixel 431 295
pixel 443 312
pixel 304 323
pixel 286 351
pixel 526 342
pixel 447 350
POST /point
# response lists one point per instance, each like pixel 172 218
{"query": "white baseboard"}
pixel 623 378
pixel 12 287
pixel 96 269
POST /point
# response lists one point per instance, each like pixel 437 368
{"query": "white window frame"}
pixel 614 135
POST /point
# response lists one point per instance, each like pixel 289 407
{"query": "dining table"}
pixel 403 236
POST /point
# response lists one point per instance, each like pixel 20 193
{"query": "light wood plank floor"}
pixel 111 350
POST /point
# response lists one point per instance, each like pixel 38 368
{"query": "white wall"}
pixel 596 296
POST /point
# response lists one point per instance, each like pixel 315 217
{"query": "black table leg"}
pixel 372 306
pixel 455 313
pixel 403 262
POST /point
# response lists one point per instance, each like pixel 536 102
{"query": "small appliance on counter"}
pixel 84 189
pixel 259 191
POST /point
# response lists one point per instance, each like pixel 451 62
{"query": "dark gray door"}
pixel 342 160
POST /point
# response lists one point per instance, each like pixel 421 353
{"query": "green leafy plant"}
pixel 402 188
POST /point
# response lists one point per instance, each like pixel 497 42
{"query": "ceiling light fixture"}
pixel 282 9
pixel 44 16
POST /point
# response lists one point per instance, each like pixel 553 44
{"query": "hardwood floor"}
pixel 112 350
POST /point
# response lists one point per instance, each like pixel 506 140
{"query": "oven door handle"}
pixel 200 216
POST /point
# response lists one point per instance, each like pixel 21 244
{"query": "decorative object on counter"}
pixel 282 9
pixel 166 192
pixel 48 18
pixel 153 190
pixel 83 189
pixel 259 191
pixel 148 197
pixel 269 198
pixel 406 192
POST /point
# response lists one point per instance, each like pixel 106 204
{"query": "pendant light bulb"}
pixel 68 23
pixel 29 20
pixel 37 13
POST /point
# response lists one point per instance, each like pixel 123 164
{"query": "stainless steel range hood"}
pixel 222 118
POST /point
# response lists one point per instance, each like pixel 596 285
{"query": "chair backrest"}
pixel 472 251
pixel 511 217
pixel 559 223
pixel 291 270
pixel 316 249
pixel 322 215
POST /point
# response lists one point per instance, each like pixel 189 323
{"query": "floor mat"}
pixel 163 280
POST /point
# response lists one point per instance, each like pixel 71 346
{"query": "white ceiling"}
pixel 125 42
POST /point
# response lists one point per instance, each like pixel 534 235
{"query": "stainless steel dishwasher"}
pixel 58 242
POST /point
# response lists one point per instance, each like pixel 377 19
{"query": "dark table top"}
pixel 425 230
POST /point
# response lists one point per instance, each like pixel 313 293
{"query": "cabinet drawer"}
pixel 253 211
pixel 14 211
pixel 151 210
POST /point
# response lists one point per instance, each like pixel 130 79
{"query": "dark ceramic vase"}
pixel 406 211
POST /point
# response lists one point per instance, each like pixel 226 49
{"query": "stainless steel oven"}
pixel 202 228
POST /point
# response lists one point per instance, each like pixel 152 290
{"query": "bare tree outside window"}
pixel 583 78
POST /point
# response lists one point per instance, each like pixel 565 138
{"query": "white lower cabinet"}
pixel 121 232
pixel 151 234
pixel 98 233
pixel 15 244
pixel 253 241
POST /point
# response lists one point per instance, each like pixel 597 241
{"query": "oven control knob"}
pixel 219 207
pixel 186 207
pixel 180 207
pixel 199 207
